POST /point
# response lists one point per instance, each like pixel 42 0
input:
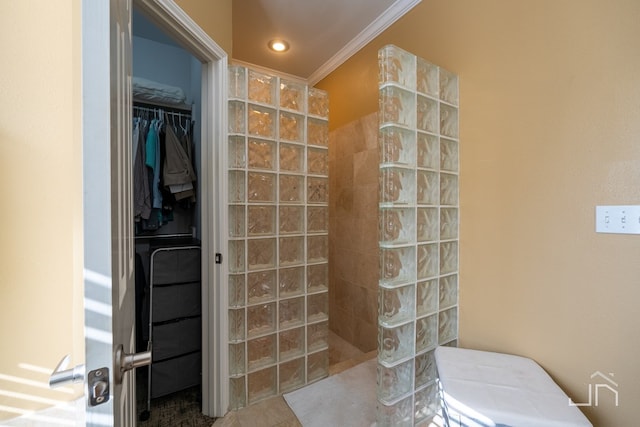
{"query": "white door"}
pixel 108 220
pixel 107 178
pixel 45 243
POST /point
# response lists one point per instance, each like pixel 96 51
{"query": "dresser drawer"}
pixel 175 338
pixel 175 374
pixel 175 265
pixel 176 301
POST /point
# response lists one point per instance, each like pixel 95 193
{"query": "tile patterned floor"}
pixel 340 350
pixel 274 412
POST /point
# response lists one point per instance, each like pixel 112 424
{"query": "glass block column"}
pixel 419 211
pixel 278 170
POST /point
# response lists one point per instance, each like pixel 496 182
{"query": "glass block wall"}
pixel 278 235
pixel 418 286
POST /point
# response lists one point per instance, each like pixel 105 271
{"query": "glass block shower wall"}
pixel 418 286
pixel 278 235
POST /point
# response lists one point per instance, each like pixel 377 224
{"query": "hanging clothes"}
pixel 153 161
pixel 178 174
pixel 141 189
pixel 164 173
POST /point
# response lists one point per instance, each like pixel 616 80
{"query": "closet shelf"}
pixel 178 108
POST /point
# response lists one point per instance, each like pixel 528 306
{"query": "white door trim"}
pixel 168 16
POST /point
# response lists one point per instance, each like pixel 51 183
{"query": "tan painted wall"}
pixel 214 17
pixel 550 121
pixel 41 308
pixel 41 316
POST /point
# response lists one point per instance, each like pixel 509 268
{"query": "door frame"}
pixel 169 17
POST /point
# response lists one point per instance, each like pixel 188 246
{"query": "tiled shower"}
pixel 419 211
pixel 278 235
pixel 353 232
pixel 279 244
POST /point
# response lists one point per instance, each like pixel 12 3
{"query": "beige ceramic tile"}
pixel 343 224
pixel 268 413
pixel 341 350
pixel 364 310
pixel 354 218
pixel 348 137
pixel 372 308
pixel 342 297
pixel 229 420
pixel 351 260
pixel 365 167
pixel 367 199
pixel 343 325
pixel 273 412
pixel 366 337
pixel 370 129
pixel 346 364
pixel 359 142
pixel 367 270
pixel 343 171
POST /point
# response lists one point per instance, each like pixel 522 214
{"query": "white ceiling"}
pixel 322 33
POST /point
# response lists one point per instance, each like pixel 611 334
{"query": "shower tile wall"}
pixel 353 240
pixel 418 233
pixel 278 161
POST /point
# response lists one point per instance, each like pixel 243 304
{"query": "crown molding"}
pixel 384 21
pixel 167 15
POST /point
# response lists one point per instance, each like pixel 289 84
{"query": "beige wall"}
pixel 549 94
pixel 214 17
pixel 41 316
pixel 353 232
pixel 41 308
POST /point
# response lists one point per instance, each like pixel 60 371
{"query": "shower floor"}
pixel 275 411
pixel 341 353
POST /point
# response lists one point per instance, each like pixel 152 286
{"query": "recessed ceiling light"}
pixel 279 45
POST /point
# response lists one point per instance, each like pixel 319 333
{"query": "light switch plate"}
pixel 620 219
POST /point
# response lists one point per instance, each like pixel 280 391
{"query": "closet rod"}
pixel 177 108
pixel 155 108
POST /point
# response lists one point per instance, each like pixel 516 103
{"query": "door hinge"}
pixel 218 258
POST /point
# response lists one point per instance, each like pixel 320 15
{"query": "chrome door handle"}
pixel 125 361
pixel 61 376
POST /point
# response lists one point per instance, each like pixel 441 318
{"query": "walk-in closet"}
pixel 166 204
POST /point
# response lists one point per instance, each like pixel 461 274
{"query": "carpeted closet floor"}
pixel 181 409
